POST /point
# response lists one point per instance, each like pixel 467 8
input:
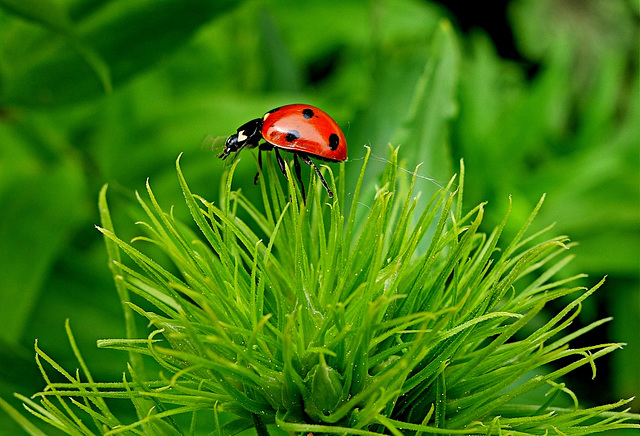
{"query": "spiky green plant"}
pixel 385 320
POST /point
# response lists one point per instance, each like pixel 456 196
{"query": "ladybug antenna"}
pixel 213 143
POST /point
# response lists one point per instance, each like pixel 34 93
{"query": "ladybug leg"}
pixel 309 162
pixel 296 164
pixel 280 161
pixel 255 178
pixel 265 146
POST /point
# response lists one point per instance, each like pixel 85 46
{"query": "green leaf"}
pixel 26 425
pixel 424 134
pixel 117 41
pixel 49 13
pixel 53 17
pixel 54 193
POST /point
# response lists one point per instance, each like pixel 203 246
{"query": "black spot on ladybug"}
pixel 308 113
pixel 334 141
pixel 292 135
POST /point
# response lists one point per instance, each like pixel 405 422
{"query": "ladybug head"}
pixel 247 136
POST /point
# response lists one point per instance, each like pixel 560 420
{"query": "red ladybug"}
pixel 302 129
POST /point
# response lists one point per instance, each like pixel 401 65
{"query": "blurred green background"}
pixel 537 96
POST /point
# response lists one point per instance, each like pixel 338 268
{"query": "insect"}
pixel 301 129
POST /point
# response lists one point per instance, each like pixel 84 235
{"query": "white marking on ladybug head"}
pixel 241 136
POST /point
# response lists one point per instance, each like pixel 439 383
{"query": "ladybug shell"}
pixel 307 129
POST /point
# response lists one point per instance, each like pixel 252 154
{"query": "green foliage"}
pixel 334 323
pixel 95 91
pixel 115 41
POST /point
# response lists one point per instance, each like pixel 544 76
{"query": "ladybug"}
pixel 301 129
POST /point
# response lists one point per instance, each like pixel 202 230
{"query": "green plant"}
pixel 336 322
